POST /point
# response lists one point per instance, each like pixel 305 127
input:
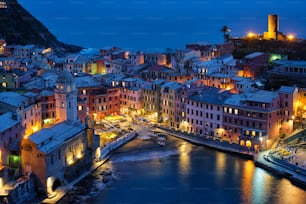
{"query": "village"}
pixel 61 114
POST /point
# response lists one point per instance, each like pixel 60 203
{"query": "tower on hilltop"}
pixel 273 29
pixel 65 98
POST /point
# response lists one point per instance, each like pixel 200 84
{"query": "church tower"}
pixel 66 98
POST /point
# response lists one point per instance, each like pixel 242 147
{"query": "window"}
pixel 80 108
pixel 236 111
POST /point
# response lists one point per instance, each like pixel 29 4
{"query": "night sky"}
pixel 157 24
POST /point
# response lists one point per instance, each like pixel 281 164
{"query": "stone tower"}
pixel 65 98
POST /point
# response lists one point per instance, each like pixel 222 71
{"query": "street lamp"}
pixel 290 37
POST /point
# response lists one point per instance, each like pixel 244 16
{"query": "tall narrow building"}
pixel 66 98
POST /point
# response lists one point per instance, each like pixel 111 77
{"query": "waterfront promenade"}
pixel 295 170
pixel 212 142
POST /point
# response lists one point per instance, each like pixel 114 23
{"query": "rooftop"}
pixel 7 121
pixel 211 95
pixel 259 96
pixel 287 89
pixel 291 63
pixel 12 98
pixel 49 139
pixel 253 55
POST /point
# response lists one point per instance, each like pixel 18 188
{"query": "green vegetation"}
pixel 296 50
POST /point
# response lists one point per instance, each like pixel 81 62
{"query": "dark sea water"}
pixel 159 24
pixel 195 175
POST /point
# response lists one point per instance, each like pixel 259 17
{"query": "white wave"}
pixel 143 156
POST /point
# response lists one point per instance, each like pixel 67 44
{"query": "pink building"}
pixel 252 119
pixel 289 104
pixel 131 101
pixel 11 133
pixel 204 112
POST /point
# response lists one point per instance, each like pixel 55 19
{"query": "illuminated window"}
pixel 247 132
pixel 63 105
pixel 230 110
pixel 253 133
pixel 183 114
pixel 4 84
pixel 80 108
pixel 225 109
pixel 84 92
pixel 236 111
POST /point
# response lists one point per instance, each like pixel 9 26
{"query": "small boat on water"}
pixel 161 141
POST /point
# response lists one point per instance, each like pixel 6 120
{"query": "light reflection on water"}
pixel 184 158
pixel 198 176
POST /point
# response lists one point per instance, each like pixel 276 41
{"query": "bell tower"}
pixel 65 98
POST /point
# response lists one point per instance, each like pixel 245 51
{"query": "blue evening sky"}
pixel 159 24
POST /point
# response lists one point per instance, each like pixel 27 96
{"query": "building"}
pixel 288 71
pixel 11 133
pixel 155 59
pixel 131 101
pixel 252 119
pixel 152 99
pixel 253 64
pixel 65 98
pixel 204 112
pixel 76 63
pixel 28 106
pixel 289 103
pixel 48 111
pixel 63 152
pixel 101 101
pixel 168 100
pixel 136 58
pixel 273 29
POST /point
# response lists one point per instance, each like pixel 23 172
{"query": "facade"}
pixel 136 58
pixel 289 103
pixel 253 64
pixel 288 71
pixel 65 98
pixel 205 112
pixel 28 106
pixel 152 99
pixel 11 133
pixel 48 111
pixel 131 101
pixel 76 63
pixel 155 59
pixel 168 104
pixel 252 119
pixel 101 101
pixel 56 154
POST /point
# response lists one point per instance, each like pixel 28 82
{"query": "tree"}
pixel 225 30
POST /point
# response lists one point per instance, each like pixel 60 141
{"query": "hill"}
pixel 18 26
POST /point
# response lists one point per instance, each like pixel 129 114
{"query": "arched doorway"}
pixel 248 143
pixel 242 142
pixel 57 183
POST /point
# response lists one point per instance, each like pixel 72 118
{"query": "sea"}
pixel 159 24
pixel 181 173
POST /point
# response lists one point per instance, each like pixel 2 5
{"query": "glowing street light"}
pixel 251 35
pixel 291 37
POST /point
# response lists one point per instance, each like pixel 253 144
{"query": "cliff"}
pixel 18 26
